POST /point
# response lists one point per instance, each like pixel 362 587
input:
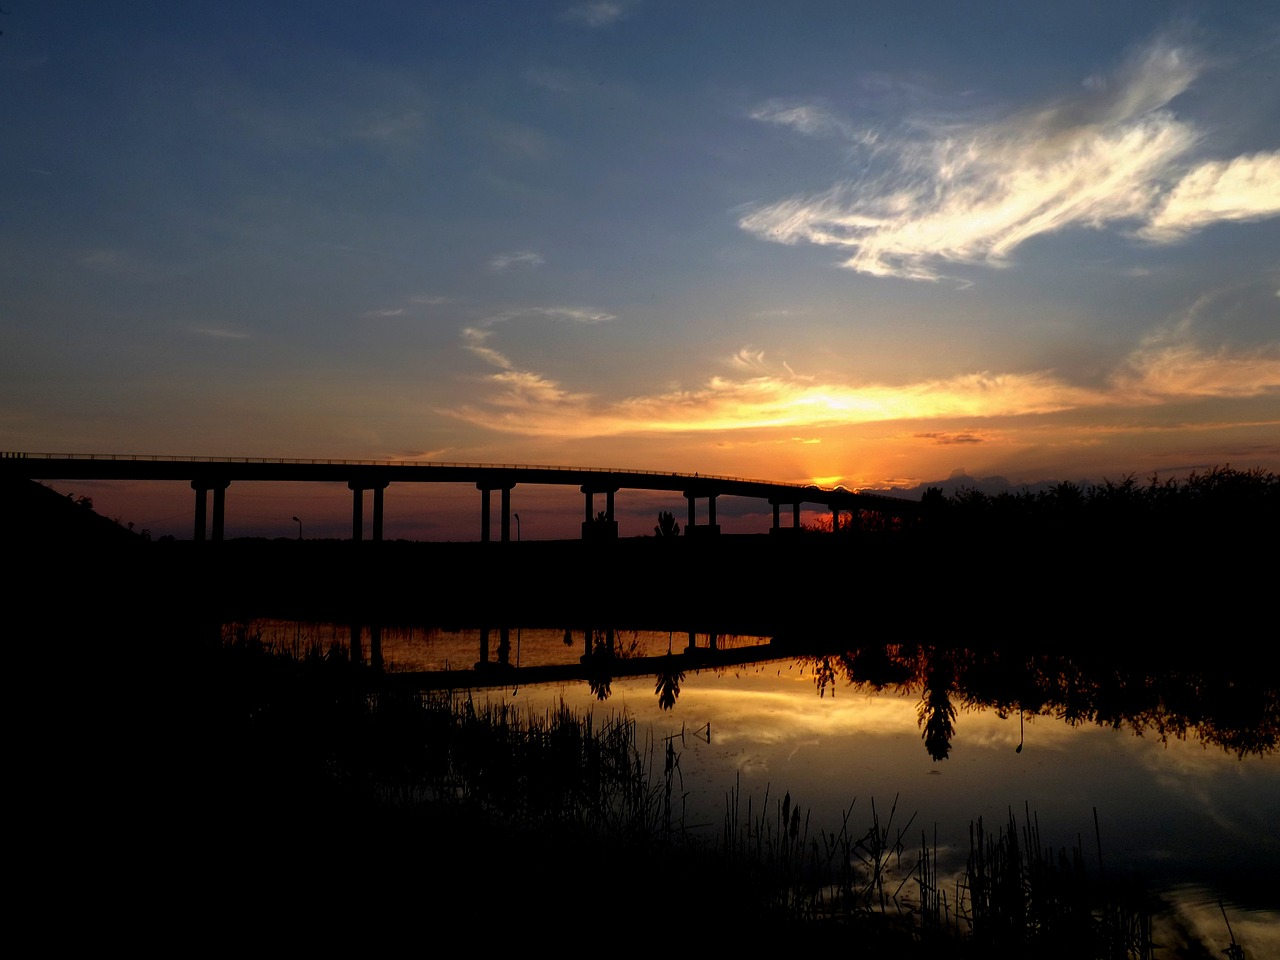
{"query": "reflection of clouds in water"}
pixel 751 764
pixel 1214 783
pixel 783 711
pixel 796 747
pixel 1196 907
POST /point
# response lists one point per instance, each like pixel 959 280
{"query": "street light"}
pixel 299 528
pixel 517 516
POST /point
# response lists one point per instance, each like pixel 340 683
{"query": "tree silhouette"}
pixel 667 525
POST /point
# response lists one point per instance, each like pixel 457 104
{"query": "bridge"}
pixel 214 475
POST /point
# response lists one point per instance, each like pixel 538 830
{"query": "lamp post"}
pixel 299 522
pixel 517 516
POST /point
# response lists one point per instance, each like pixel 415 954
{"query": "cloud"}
pixel 219 333
pixel 572 314
pixel 1157 373
pixel 1246 188
pixel 598 13
pixel 973 192
pixel 947 439
pixel 748 359
pixel 811 119
pixel 475 339
pixel 520 258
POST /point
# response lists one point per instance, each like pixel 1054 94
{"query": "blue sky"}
pixel 868 243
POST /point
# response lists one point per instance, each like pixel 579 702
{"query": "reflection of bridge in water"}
pixel 212 474
pixel 595 663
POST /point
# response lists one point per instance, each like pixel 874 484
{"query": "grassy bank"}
pixel 327 799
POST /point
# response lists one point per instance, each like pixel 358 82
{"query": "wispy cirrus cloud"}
pixel 518 258
pixel 811 119
pixel 972 192
pixel 1156 373
pixel 1246 188
pixel 475 339
pixel 599 13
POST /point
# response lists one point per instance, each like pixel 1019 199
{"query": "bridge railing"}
pixel 158 458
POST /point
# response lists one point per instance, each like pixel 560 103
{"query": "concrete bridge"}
pixel 215 474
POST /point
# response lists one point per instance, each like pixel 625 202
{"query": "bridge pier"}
pixel 357 509
pixel 202 488
pixel 795 516
pixel 485 521
pixel 592 527
pixel 710 528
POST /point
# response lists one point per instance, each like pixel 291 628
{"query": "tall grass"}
pixel 577 785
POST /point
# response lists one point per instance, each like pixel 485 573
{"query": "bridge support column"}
pixel 777 517
pixel 835 519
pixel 710 528
pixel 357 509
pixel 593 528
pixel 202 488
pixel 504 523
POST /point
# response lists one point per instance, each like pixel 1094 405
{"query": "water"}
pixel 1188 811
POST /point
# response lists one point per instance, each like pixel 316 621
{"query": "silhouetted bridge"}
pixel 216 474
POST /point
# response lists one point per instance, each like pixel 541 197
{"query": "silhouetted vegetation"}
pixel 1169 694
pixel 375 778
pixel 1220 498
pixel 667 525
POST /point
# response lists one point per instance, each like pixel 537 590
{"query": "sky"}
pixel 871 244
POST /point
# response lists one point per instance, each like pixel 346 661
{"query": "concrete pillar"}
pixel 775 514
pixel 219 509
pixel 835 519
pixel 795 515
pixel 589 505
pixel 608 508
pixel 711 510
pixel 357 512
pixel 504 522
pixel 377 512
pixel 202 500
pixel 689 497
pixel 202 488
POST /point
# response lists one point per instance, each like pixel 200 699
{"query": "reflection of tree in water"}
pixel 599 663
pixel 668 686
pixel 935 711
pixel 1234 705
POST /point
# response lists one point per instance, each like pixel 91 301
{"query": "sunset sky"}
pixel 869 244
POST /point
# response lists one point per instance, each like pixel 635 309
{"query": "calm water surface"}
pixel 1195 820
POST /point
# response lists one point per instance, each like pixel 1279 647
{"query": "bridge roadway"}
pixel 216 474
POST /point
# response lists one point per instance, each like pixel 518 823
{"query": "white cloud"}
pixel 748 358
pixel 972 193
pixel 598 13
pixel 810 119
pixel 1246 188
pixel 519 258
pixel 1165 370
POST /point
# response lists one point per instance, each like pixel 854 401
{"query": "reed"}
pixel 573 784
